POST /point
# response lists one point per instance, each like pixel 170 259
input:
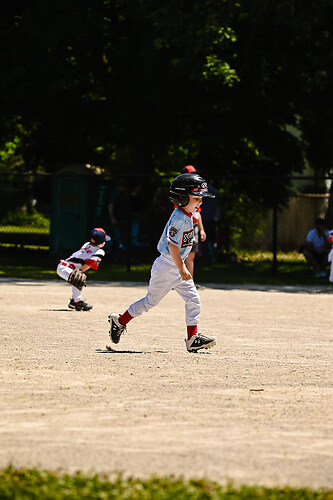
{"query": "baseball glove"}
pixel 77 278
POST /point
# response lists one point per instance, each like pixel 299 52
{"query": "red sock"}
pixel 125 318
pixel 191 330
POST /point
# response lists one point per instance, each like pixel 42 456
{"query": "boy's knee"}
pixel 63 272
pixel 150 302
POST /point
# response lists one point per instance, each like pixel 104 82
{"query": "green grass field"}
pixel 43 485
pixel 248 267
pixel 20 259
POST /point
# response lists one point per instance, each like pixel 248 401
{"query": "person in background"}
pixel 210 213
pixel 199 231
pixel 208 221
pixel 317 247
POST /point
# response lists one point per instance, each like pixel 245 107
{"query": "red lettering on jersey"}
pixel 188 237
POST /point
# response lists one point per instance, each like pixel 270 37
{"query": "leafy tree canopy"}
pixel 238 88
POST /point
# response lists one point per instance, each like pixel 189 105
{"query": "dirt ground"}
pixel 255 409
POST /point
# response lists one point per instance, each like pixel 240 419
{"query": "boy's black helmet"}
pixel 186 184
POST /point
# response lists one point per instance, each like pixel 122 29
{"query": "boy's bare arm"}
pixel 201 229
pixel 183 271
pixel 111 213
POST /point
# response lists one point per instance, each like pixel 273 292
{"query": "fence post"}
pixel 275 235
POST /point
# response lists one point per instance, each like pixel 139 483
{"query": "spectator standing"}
pixel 199 231
pixel 210 213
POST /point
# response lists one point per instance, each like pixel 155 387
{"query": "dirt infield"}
pixel 256 409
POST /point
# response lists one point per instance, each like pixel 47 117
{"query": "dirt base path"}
pixel 256 409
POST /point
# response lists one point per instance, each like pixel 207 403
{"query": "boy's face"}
pixel 194 203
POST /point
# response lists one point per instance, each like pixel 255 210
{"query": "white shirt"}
pixel 88 254
pixel 319 242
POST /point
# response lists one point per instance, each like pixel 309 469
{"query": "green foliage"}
pixel 41 485
pixel 32 219
pixel 9 150
pixel 11 147
pixel 243 217
pixel 146 86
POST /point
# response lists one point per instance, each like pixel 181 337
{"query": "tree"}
pixel 119 75
pixel 151 84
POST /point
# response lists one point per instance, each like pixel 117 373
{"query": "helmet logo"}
pixel 199 190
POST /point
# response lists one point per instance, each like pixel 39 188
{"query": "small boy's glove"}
pixel 78 279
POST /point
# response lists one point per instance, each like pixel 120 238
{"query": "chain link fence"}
pixel 56 213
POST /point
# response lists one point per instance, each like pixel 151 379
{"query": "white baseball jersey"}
pixel 88 254
pixel 179 232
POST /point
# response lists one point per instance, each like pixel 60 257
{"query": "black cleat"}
pixel 71 304
pixel 199 341
pixel 117 329
pixel 81 306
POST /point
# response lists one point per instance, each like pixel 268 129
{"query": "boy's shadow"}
pixel 109 350
pixel 58 310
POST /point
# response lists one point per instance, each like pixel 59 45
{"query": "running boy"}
pixel 89 256
pixel 169 270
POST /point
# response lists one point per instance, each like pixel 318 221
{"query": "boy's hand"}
pixel 202 235
pixel 185 273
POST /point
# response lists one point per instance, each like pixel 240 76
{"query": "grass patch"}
pixel 257 272
pixel 256 268
pixel 24 229
pixel 32 484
